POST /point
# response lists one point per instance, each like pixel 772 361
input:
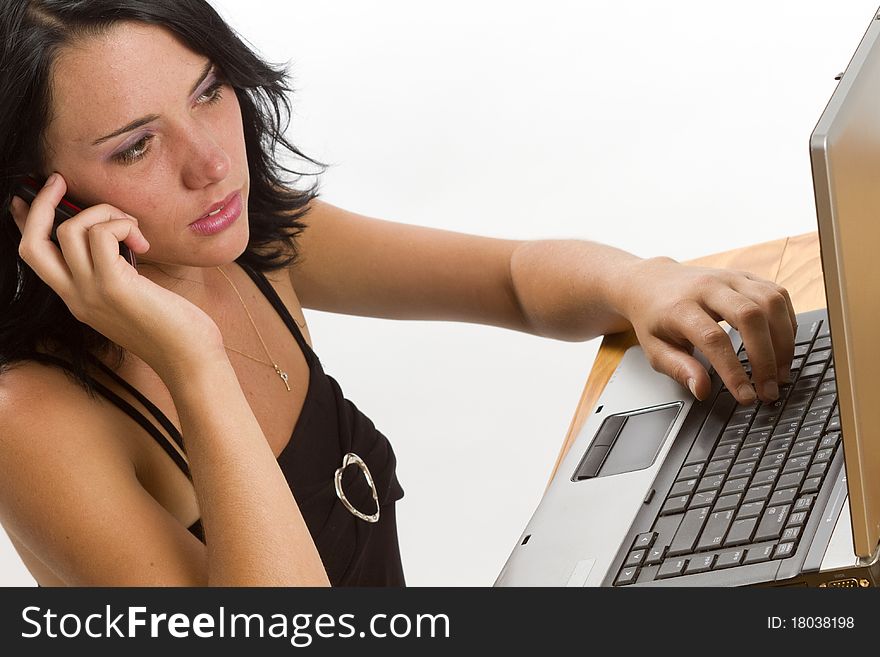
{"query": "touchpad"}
pixel 627 441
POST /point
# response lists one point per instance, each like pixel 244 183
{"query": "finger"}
pixel 750 320
pixel 778 311
pixel 679 364
pixel 697 327
pixel 36 248
pixel 18 208
pixel 104 239
pixel 73 236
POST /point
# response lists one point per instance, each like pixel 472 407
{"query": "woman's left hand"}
pixel 674 308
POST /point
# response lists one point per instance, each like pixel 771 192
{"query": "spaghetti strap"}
pixel 270 293
pixel 127 408
pixel 150 406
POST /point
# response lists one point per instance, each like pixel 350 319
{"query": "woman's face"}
pixel 141 122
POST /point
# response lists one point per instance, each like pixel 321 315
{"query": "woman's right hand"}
pixel 102 289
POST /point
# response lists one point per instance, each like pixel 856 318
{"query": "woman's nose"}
pixel 206 162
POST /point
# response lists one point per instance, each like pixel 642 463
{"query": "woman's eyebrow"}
pixel 137 123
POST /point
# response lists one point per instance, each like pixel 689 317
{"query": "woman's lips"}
pixel 214 223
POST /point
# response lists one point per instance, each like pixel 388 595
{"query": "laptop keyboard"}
pixel 746 488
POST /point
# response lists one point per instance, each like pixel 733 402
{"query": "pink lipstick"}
pixel 219 216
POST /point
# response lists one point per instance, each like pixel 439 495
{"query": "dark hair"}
pixel 31 34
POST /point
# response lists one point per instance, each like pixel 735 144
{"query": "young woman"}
pixel 170 424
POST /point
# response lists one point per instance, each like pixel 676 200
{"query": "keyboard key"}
pixel 807 432
pixel 749 454
pixel 703 499
pixel 817 470
pixel 690 472
pixel 750 510
pixel 807 331
pixel 675 505
pixel 785 429
pixel 823 401
pixel 793 412
pixel 758 554
pixel 627 576
pixel 829 440
pixel 827 388
pixel 812 370
pixel 804 447
pixel 804 503
pixel 755 493
pixel 772 461
pixel 779 445
pixel 765 477
pixel 822 343
pixel 716 528
pixel 635 558
pixel 644 540
pixel 655 555
pixel 711 429
pixel 729 559
pixel 741 470
pixel 727 502
pixel 711 482
pixel 782 496
pixel 801 350
pixel 726 451
pixel 741 531
pixel 690 528
pixel 671 568
pixel 683 488
pixel 833 423
pixel 797 519
pixel 732 435
pixel 818 416
pixel 699 564
pixel 820 356
pixel 812 485
pixel 718 467
pixel 790 479
pixel 734 486
pixel 742 417
pixel 790 533
pixel 783 550
pixel 823 455
pixel 772 522
pixel 755 438
pixel 795 464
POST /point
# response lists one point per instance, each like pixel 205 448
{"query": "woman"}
pixel 164 126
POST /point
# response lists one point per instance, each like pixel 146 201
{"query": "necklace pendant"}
pixel 283 376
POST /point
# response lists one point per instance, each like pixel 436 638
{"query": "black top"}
pixel 354 552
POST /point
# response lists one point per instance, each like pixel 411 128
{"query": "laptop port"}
pixel 847 583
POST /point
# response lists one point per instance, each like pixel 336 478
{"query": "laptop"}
pixel 659 489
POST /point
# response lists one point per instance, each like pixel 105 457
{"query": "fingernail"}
pixel 692 386
pixel 51 180
pixel 747 393
pixel 771 390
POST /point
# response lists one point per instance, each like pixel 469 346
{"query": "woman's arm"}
pixel 565 289
pixel 254 531
pixel 70 493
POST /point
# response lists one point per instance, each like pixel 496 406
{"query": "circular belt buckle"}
pixel 347 460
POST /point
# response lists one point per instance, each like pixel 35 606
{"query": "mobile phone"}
pixel 28 188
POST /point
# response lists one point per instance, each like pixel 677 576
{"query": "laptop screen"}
pixel 845 155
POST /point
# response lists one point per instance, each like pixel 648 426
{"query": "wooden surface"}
pixel 793 262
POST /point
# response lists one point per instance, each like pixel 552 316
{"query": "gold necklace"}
pixel 278 370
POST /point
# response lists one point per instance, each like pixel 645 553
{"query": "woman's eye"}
pixel 212 94
pixel 134 152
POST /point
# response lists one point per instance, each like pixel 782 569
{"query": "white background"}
pixel 677 128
